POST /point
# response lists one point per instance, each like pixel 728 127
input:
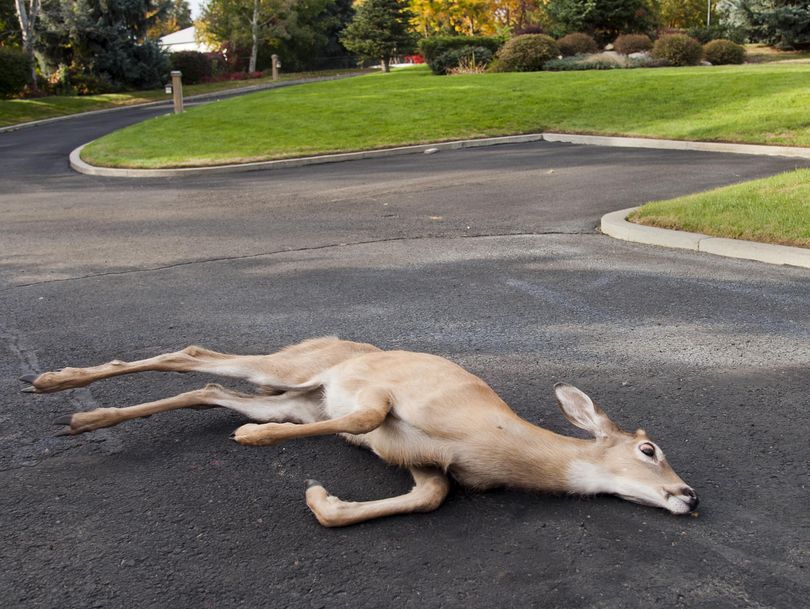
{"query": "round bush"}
pixel 632 43
pixel 577 43
pixel 195 66
pixel 15 70
pixel 527 53
pixel 722 51
pixel 678 50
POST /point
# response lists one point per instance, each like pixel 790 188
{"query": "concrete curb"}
pixel 615 224
pixel 82 167
pixel 168 103
pixel 640 142
pixel 591 140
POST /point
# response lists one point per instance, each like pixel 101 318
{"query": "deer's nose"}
pixel 693 501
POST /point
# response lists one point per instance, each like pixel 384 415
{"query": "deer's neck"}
pixel 525 456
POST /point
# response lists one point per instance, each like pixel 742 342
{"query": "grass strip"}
pixel 762 104
pixel 16 111
pixel 770 210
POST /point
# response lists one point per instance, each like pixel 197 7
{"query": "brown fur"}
pixel 414 410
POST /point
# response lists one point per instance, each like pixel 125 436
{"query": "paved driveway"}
pixel 487 256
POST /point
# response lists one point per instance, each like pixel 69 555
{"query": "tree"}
pixel 785 23
pixel 314 32
pixel 683 13
pixel 379 30
pixel 106 39
pixel 604 19
pixel 9 24
pixel 468 17
pixel 247 23
pixel 27 15
pixel 176 17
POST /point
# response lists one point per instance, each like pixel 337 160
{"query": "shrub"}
pixel 721 51
pixel 449 61
pixel 576 43
pixel 527 53
pixel 584 62
pixel 433 47
pixel 529 29
pixel 678 50
pixel 89 84
pixel 632 43
pixel 195 66
pixel 470 65
pixel 15 70
pixel 705 34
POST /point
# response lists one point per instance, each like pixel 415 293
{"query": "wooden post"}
pixel 177 90
pixel 274 60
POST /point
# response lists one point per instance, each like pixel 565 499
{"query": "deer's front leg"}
pixel 190 359
pixel 429 492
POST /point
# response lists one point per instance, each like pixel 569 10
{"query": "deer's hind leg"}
pixel 298 407
pixel 371 407
pixel 429 492
pixel 191 359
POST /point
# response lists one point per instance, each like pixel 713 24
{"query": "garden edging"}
pixel 615 225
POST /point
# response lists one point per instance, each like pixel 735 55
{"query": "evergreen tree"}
pixel 9 24
pixel 176 17
pixel 604 19
pixel 379 31
pixel 105 39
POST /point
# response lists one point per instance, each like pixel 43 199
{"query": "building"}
pixel 184 40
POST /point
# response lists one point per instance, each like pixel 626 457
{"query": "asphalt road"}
pixel 487 256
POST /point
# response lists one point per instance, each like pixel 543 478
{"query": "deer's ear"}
pixel 580 410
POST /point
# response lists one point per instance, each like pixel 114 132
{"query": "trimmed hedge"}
pixel 719 52
pixel 678 50
pixel 527 53
pixel 577 43
pixel 632 43
pixel 195 66
pixel 15 69
pixel 435 46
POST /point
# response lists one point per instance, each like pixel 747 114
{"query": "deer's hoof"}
pixel 29 378
pixel 311 483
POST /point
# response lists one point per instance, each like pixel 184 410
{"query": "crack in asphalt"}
pixel 294 250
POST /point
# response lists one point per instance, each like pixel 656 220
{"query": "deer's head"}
pixel 629 465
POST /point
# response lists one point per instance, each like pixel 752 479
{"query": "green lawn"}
pixel 765 104
pixel 15 111
pixel 772 210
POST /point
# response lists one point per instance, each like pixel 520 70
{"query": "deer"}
pixel 414 410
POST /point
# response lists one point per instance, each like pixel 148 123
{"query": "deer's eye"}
pixel 648 449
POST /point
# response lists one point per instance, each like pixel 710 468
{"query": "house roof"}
pixel 184 40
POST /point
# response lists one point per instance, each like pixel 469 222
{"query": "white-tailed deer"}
pixel 414 410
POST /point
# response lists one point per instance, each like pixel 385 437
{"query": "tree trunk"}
pixel 254 33
pixel 28 19
pixel 386 64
